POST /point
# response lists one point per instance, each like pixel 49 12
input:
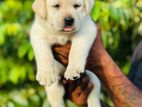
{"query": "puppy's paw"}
pixel 74 71
pixel 45 77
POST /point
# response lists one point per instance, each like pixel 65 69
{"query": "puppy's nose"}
pixel 69 21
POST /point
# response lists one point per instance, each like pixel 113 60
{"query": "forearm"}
pixel 121 90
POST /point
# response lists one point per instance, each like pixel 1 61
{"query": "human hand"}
pixel 78 90
pixel 74 90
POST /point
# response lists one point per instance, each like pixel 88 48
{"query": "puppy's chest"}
pixel 62 40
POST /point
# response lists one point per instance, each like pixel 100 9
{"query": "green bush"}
pixel 121 25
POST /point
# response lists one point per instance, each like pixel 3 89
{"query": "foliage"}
pixel 120 22
pixel 121 25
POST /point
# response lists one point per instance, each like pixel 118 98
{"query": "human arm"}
pixel 122 92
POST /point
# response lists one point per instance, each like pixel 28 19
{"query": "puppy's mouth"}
pixel 68 29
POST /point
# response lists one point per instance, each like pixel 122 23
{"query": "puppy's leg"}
pixel 44 58
pixel 81 44
pixel 93 98
pixel 55 95
pixel 56 92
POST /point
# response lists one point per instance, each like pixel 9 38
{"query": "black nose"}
pixel 69 21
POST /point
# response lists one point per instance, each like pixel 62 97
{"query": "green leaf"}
pixel 126 68
pixel 17 73
pixel 31 54
pixel 96 11
pixel 114 13
pixel 13 29
pixel 23 50
pixel 2 34
pixel 105 39
pixel 14 75
pixel 35 101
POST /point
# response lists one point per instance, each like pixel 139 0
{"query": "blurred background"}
pixel 121 25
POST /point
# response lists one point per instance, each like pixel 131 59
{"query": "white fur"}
pixel 47 30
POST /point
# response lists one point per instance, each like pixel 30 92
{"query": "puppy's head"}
pixel 63 15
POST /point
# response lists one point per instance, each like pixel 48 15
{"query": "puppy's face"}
pixel 63 15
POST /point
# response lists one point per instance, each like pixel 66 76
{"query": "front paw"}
pixel 74 71
pixel 45 77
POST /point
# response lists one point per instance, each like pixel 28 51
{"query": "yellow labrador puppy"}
pixel 57 22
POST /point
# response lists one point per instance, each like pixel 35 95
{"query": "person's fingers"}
pixel 64 81
pixel 77 92
pixel 72 86
pixel 82 96
pixel 84 81
pixel 78 84
pixel 62 50
pixel 83 99
pixel 64 60
pixel 88 88
pixel 61 53
pixel 83 85
pixel 79 98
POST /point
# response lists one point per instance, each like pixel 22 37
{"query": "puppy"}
pixel 57 22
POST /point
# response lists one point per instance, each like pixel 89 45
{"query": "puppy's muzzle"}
pixel 69 21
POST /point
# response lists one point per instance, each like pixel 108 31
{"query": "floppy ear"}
pixel 39 7
pixel 88 4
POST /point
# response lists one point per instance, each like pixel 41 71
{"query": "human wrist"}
pixel 102 64
pixel 95 61
pixel 109 73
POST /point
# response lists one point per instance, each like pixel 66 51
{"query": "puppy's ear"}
pixel 39 7
pixel 88 4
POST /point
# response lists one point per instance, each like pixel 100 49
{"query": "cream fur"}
pixel 47 31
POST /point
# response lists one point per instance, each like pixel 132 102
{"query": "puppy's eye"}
pixel 56 6
pixel 77 6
